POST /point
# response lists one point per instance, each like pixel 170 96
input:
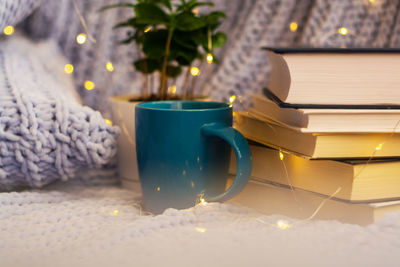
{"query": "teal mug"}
pixel 183 153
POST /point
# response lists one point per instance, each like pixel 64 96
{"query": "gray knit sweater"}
pixel 251 24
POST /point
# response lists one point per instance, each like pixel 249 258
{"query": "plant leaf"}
pixel 166 3
pixel 187 21
pixel 173 71
pixel 184 39
pixel 193 4
pixel 116 5
pixel 147 13
pixel 128 23
pixel 154 43
pixel 147 65
pixel 218 39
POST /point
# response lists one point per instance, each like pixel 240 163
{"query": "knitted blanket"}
pixel 69 224
pixel 45 133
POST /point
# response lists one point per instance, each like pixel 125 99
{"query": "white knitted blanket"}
pixel 75 225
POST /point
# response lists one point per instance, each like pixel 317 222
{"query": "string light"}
pixel 109 67
pixel 343 31
pixel 379 147
pixel 201 229
pixel 81 38
pixel 372 1
pixel 282 224
pixel 293 26
pixel 89 85
pixel 68 68
pixel 281 155
pixel 108 121
pixel 8 30
pixel 195 71
pixel 196 11
pixel 210 58
pixel 115 212
pixel 232 99
pixel 148 29
pixel 172 89
pixel 158 189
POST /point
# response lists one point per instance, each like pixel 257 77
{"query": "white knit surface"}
pixel 75 225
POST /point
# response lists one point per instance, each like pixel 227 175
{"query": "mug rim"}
pixel 152 105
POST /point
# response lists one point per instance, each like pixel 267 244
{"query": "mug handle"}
pixel 243 158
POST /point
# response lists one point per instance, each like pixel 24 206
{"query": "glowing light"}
pixel 372 1
pixel 201 229
pixel 89 85
pixel 192 184
pixel 282 224
pixel 195 71
pixel 293 26
pixel 115 212
pixel 379 147
pixel 232 99
pixel 343 31
pixel 109 67
pixel 81 38
pixel 108 121
pixel 69 68
pixel 158 189
pixel 183 172
pixel 281 155
pixel 209 58
pixel 8 30
pixel 196 11
pixel 148 29
pixel 172 89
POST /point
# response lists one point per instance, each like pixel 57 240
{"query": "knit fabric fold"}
pixel 45 133
pixel 14 11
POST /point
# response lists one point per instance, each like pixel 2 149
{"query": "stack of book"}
pixel 326 130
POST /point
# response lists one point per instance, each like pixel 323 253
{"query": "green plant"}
pixel 171 37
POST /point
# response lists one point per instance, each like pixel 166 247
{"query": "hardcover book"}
pixel 335 77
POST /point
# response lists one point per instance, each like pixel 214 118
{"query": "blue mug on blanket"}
pixel 183 152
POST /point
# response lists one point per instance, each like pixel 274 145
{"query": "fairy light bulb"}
pixel 201 229
pixel 281 156
pixel 210 58
pixel 148 29
pixel 232 99
pixel 379 147
pixel 8 30
pixel 343 31
pixel 89 85
pixel 109 67
pixel 108 122
pixel 115 212
pixel 68 68
pixel 172 89
pixel 81 38
pixel 282 224
pixel 195 71
pixel 158 189
pixel 293 26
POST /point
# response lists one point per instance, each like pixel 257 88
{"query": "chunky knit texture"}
pixel 13 11
pixel 45 133
pixel 72 225
pixel 250 25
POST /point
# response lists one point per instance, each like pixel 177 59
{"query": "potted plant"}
pixel 170 39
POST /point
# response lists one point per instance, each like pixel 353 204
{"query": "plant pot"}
pixel 123 109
